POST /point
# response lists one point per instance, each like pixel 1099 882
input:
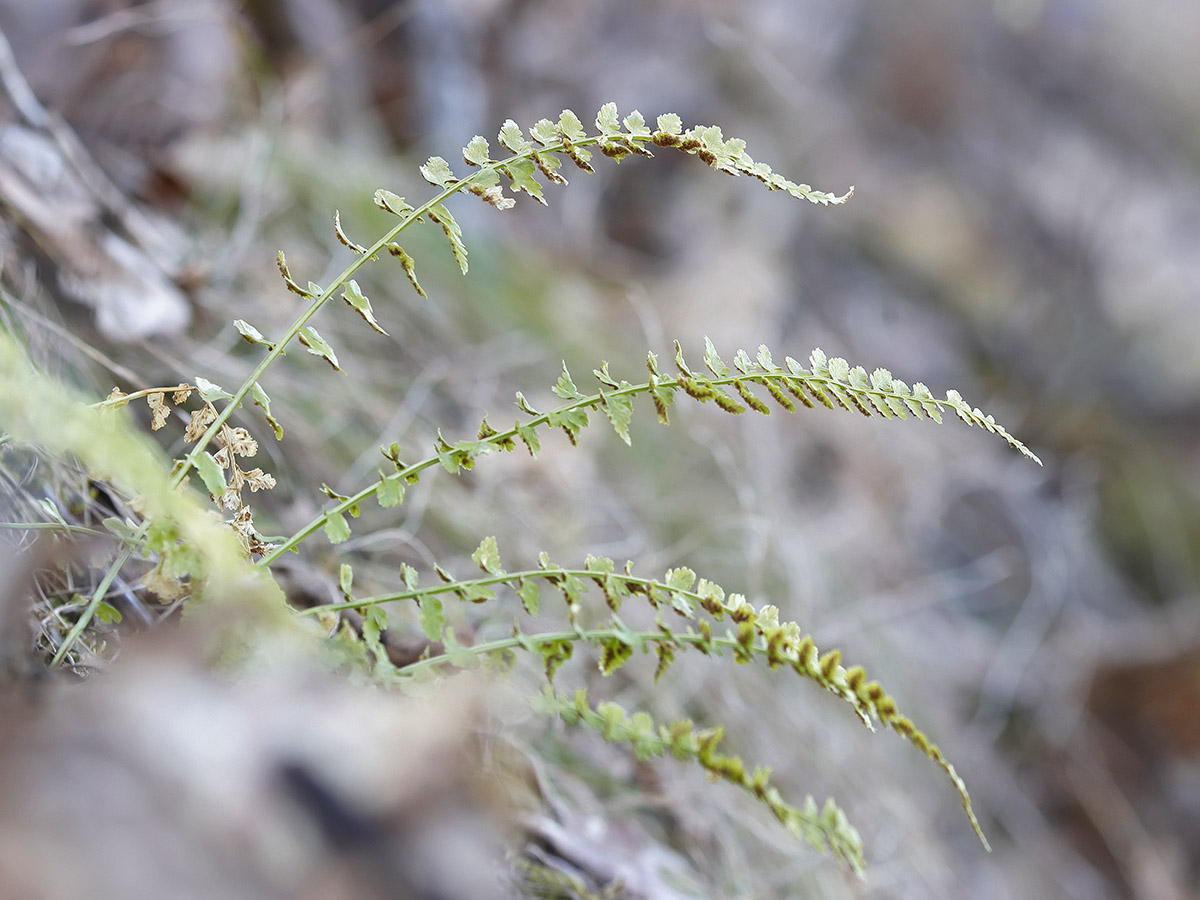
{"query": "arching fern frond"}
pixel 833 383
pixel 750 634
pixel 825 828
pixel 542 154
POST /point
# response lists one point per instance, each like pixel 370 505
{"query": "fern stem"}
pixel 496 440
pixel 552 572
pixel 54 526
pixel 124 399
pixel 342 506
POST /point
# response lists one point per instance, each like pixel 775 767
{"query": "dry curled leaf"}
pixel 201 419
pixel 240 442
pixel 160 410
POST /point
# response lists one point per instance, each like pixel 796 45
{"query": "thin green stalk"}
pixel 54 526
pixel 85 617
pixel 124 399
pixel 496 439
pixel 584 635
pixel 553 572
pixel 340 507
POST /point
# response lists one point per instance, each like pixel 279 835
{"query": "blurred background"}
pixel 1024 229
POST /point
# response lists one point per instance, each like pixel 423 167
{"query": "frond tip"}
pixel 831 382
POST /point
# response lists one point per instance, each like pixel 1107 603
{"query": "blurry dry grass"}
pixel 1023 229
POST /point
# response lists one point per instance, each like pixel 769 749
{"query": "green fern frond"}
pixel 541 155
pixel 831 382
pixel 753 633
pixel 827 828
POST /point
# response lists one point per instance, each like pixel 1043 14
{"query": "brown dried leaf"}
pixel 240 442
pixel 201 419
pixel 160 409
pixel 258 480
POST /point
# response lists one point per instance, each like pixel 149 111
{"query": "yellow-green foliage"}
pixel 198 555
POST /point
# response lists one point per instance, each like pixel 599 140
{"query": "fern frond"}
pixel 832 382
pixel 827 829
pixel 541 155
pixel 752 633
